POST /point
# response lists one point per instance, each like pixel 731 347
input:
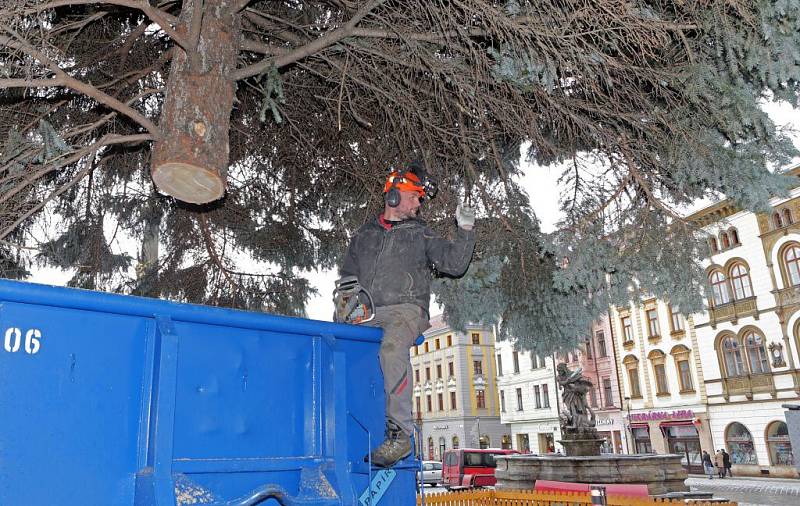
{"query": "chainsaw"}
pixel 352 302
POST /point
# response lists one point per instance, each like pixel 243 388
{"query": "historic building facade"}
pixel 528 399
pixel 750 334
pixel 455 400
pixel 663 387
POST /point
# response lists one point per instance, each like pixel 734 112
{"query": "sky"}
pixel 541 184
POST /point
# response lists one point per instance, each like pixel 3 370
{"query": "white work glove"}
pixel 465 216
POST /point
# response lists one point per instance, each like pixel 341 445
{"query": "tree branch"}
pixel 161 18
pixel 63 79
pixel 312 47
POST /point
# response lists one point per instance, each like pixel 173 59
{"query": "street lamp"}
pixel 629 429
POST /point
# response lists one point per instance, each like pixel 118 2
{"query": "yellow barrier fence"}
pixel 546 498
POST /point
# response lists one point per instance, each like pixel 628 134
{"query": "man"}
pixel 726 462
pixel 394 257
pixel 719 463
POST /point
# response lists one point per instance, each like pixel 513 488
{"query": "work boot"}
pixel 395 447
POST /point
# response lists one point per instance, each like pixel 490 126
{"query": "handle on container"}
pixel 261 494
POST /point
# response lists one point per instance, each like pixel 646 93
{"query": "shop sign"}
pixel 441 427
pixel 662 415
pixel 604 421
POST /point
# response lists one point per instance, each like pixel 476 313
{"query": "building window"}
pixel 451 369
pixel 477 366
pixel 734 236
pixel 740 279
pixel 685 376
pixel 452 400
pixel 416 350
pixel 502 401
pixel 476 338
pixel 519 399
pixel 588 345
pixel 535 361
pixel 438 371
pixel 427 374
pixel 545 396
pixel 787 217
pixel 515 361
pixel 778 445
pixel 724 241
pixel 537 397
pixel 499 365
pixel 419 408
pixel 719 288
pixel 449 340
pixel 776 220
pixel 657 358
pixel 740 444
pixel 627 329
pixel 633 378
pixel 756 353
pixel 602 352
pixel 437 344
pixel 440 398
pixel 416 376
pixel 791 258
pixel 480 399
pixel 608 396
pixel 427 347
pixel 652 323
pixel 732 356
pixel 430 404
pixel 593 397
pixel 712 244
pixel 661 379
pixel 676 320
pixel 455 443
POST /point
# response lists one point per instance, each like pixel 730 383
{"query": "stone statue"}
pixel 576 415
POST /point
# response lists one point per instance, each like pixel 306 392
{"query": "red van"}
pixel 468 467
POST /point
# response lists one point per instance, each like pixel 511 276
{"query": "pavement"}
pixel 750 491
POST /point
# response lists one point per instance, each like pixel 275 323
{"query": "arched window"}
pixel 724 241
pixel 719 287
pixel 734 234
pixel 740 279
pixel 712 243
pixel 778 445
pixel 732 355
pixel 483 442
pixel 455 443
pixel 756 353
pixel 776 220
pixel 787 217
pixel 430 448
pixel 791 258
pixel 740 444
pixel 442 447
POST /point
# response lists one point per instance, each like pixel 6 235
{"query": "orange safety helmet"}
pixel 408 181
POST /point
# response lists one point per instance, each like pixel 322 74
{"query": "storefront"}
pixel 610 427
pixel 684 432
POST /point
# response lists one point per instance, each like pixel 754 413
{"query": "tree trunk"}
pixel 191 161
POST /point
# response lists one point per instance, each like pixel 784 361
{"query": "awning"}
pixel 675 423
pixel 639 426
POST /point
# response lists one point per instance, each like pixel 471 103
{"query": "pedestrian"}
pixel 726 463
pixel 393 256
pixel 708 465
pixel 719 464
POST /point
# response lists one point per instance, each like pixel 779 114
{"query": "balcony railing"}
pixel 788 296
pixel 749 384
pixel 733 310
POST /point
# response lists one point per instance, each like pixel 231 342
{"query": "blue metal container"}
pixel 115 400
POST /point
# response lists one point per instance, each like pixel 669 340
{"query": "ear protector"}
pixel 392 195
pixel 412 178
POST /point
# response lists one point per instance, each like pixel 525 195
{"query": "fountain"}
pixel 583 463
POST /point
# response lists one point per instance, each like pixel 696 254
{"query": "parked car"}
pixel 468 467
pixel 431 473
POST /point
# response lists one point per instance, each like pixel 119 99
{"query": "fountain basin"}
pixel 661 473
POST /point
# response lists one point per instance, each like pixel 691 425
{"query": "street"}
pixel 751 491
pixel 745 491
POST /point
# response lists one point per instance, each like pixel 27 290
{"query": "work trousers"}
pixel 401 324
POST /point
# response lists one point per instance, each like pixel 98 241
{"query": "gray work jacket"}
pixel 396 264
